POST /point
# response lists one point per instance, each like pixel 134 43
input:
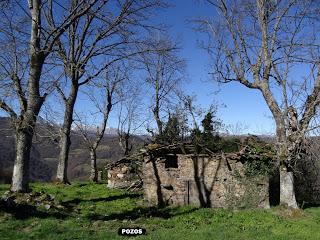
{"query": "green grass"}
pixel 95 212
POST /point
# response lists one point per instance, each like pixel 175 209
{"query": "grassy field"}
pixel 94 212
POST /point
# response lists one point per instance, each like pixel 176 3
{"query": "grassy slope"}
pixel 95 212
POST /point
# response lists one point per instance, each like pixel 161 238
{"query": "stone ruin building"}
pixel 181 174
pixel 124 173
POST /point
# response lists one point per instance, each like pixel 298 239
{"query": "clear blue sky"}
pixel 242 104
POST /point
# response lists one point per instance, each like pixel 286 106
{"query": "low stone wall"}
pixel 121 176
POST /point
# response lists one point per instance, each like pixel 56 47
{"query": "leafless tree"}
pixel 21 70
pixel 103 95
pixel 103 37
pixel 263 45
pixel 130 115
pixel 237 128
pixel 189 105
pixel 165 71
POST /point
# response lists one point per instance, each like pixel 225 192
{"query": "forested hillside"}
pixel 45 152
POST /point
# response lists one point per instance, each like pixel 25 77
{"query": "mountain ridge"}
pixel 45 150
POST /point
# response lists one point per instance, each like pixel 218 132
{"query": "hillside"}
pixel 45 152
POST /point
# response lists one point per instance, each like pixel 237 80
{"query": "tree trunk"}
pixel 159 124
pixel 156 116
pixel 124 143
pixel 94 171
pixel 287 193
pixel 65 141
pixel 25 124
pixel 127 148
pixel 20 177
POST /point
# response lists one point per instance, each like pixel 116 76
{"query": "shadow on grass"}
pixel 23 211
pixel 309 205
pixel 79 184
pixel 105 199
pixel 141 212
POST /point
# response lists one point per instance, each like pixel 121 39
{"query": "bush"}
pixel 264 165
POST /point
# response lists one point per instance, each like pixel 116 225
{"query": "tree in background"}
pixel 103 94
pixel 172 131
pixel 208 136
pixel 130 115
pixel 211 127
pixel 262 45
pixel 164 72
pixel 104 36
pixel 176 129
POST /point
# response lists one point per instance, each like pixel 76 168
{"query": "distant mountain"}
pixel 44 156
pixel 92 130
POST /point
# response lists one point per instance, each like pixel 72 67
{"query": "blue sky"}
pixel 238 103
pixel 242 104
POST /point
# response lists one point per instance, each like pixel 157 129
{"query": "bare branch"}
pixel 8 109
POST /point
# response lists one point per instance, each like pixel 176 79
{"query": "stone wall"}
pixel 201 180
pixel 121 176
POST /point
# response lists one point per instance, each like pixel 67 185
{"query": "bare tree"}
pixel 189 106
pixel 165 70
pixel 105 36
pixel 237 128
pixel 23 74
pixel 130 116
pixel 103 95
pixel 262 45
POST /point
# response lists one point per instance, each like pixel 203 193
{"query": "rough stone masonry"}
pixel 208 180
pixel 181 175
